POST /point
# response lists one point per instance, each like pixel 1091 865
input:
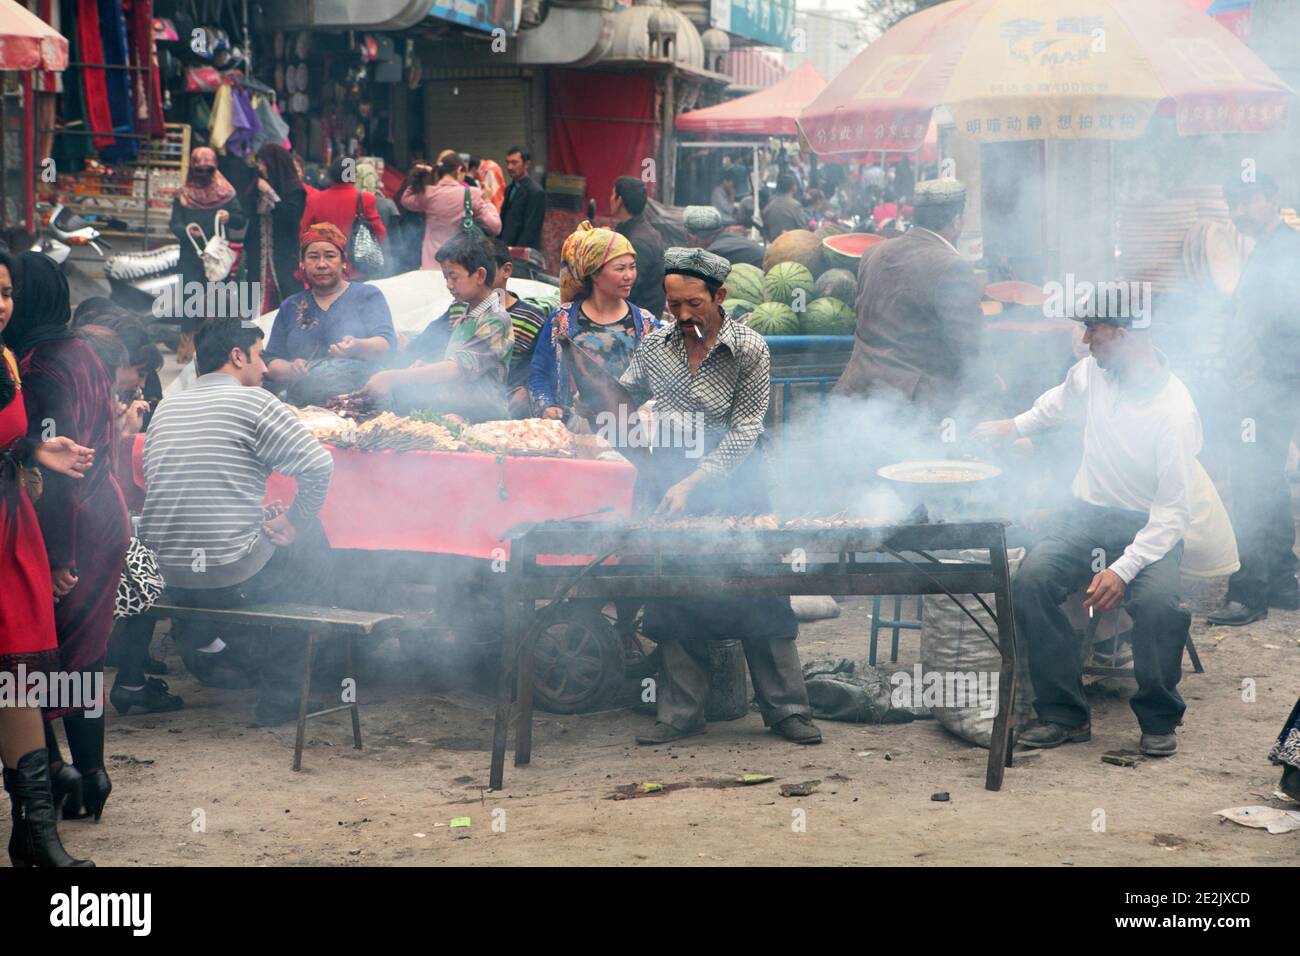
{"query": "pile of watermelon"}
pixel 788 300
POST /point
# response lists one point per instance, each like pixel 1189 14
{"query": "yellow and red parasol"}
pixel 1046 69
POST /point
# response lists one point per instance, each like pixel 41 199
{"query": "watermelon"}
pixel 827 316
pixel 843 252
pixel 784 279
pixel 745 282
pixel 828 229
pixel 839 284
pixel 774 318
pixel 738 309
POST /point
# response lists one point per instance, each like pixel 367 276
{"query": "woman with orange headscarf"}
pixel 596 278
pixel 332 325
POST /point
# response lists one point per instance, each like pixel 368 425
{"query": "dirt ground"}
pixel 200 786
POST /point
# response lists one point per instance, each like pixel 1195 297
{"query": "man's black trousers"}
pixel 1076 544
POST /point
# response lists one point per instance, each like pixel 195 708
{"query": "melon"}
pixel 827 316
pixel 745 282
pixel 838 284
pixel 797 245
pixel 784 280
pixel 844 252
pixel 774 318
pixel 828 229
pixel 738 309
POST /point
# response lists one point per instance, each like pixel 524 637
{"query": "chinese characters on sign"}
pixel 904 132
pixel 1035 124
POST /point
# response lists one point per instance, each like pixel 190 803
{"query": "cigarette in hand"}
pixel 1090 611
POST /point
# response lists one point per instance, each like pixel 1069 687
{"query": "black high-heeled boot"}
pixel 65 785
pixel 65 782
pixel 86 747
pixel 34 840
pixel 95 788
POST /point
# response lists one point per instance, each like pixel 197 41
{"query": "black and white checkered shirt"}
pixel 729 391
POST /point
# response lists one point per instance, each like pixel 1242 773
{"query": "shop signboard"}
pixel 769 22
pixel 483 15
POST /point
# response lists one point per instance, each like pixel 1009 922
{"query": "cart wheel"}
pixel 577 661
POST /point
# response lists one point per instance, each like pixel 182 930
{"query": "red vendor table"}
pixel 457 503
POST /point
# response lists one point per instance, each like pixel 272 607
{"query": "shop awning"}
pixel 29 43
pixel 1054 69
pixel 769 112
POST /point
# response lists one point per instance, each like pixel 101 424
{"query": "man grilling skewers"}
pixel 705 371
pixel 1122 537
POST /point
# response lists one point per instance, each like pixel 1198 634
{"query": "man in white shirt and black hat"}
pixel 1122 537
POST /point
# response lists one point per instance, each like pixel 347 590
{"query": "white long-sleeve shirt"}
pixel 1139 451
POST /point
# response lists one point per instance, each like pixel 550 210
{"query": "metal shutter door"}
pixel 482 118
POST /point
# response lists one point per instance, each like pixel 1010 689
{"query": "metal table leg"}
pixel 1000 741
pixel 505 697
pixel 524 693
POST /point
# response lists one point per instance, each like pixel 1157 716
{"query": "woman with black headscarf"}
pixel 68 392
pixel 275 203
pixel 27 642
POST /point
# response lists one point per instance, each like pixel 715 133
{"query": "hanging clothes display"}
pixel 149 119
pixel 274 128
pixel 245 122
pixel 94 87
pixel 221 123
pixel 47 84
pixel 112 30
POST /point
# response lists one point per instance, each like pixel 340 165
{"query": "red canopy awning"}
pixel 27 42
pixel 769 112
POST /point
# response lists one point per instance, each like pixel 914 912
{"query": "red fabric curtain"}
pixel 602 126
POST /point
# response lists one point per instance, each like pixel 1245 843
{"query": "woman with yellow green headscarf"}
pixel 368 182
pixel 596 278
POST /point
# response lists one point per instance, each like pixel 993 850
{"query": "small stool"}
pixel 897 624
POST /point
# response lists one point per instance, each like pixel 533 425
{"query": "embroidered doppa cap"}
pixel 699 219
pixel 700 263
pixel 938 192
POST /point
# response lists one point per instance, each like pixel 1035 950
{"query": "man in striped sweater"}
pixel 207 457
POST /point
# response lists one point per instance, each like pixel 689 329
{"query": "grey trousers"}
pixel 684 681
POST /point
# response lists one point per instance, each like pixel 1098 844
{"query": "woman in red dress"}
pixel 67 391
pixel 27 641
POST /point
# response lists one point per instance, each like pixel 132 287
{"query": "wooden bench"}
pixel 318 623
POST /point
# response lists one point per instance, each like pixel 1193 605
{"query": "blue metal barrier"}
pixel 785 346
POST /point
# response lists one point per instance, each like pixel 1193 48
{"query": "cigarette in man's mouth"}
pixel 698 333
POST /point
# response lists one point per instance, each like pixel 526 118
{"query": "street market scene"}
pixel 650 432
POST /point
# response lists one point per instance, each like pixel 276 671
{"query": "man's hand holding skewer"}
pixel 675 498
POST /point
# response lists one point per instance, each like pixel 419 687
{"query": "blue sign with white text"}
pixel 770 22
pixel 484 15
